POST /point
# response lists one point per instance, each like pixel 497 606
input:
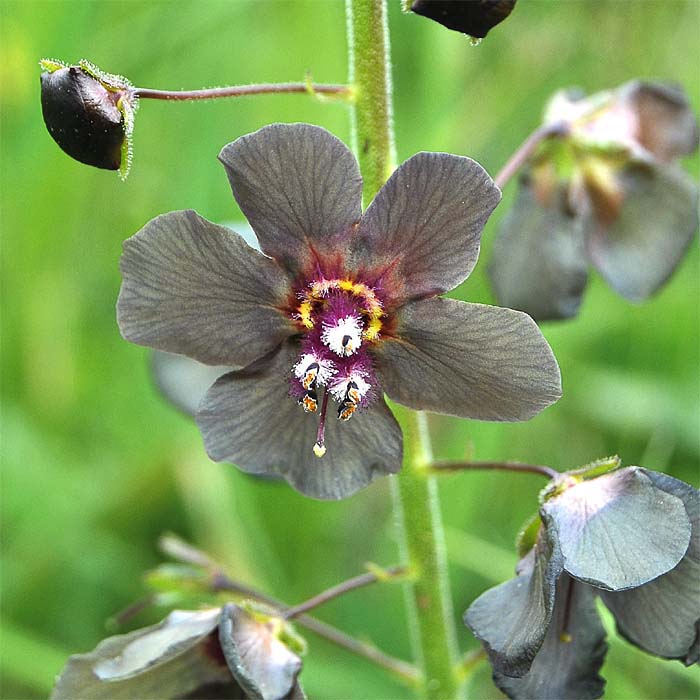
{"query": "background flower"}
pixel 610 194
pixel 213 653
pixel 632 537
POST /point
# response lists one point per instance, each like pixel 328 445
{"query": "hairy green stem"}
pixel 417 508
pixel 370 74
pixel 428 604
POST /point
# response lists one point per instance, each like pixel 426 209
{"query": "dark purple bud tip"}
pixel 473 17
pixel 88 113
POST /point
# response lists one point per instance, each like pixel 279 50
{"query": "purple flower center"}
pixel 341 320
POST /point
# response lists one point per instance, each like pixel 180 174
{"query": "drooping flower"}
pixel 89 113
pixel 224 652
pixel 472 17
pixel 339 308
pixel 630 536
pixel 610 194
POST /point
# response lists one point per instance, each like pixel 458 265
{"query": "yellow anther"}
pixel 310 403
pixel 373 327
pixel 305 309
pixel 318 291
pixel 346 411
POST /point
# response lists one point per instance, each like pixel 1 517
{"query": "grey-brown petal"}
pixel 512 619
pixel 663 616
pixel 619 530
pixel 538 263
pixel 195 288
pixel 666 124
pixel 468 360
pixel 421 233
pixel 248 418
pixel 263 666
pixel 299 187
pixel 166 661
pixel 639 249
pixel 566 666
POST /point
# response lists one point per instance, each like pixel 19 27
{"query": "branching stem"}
pixel 448 466
pixel 527 148
pixel 360 581
pixel 220 581
pixel 405 671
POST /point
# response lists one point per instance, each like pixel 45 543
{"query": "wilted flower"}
pixel 473 17
pixel 343 309
pixel 89 113
pixel 630 536
pixel 224 652
pixel 610 194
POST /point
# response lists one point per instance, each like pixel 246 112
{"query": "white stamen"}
pixel 339 386
pixel 325 368
pixel 319 450
pixel 345 337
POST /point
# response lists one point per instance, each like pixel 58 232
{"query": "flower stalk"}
pixel 327 90
pixel 527 148
pixel 446 467
pixel 220 581
pixel 392 573
pixel 417 510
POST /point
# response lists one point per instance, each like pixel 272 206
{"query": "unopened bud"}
pixel 89 113
pixel 475 17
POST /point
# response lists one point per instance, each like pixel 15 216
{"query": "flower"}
pixel 339 308
pixel 630 536
pixel 474 17
pixel 224 652
pixel 610 193
pixel 89 113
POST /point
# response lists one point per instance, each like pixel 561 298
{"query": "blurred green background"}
pixel 96 465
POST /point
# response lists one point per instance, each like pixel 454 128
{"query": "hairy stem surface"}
pixel 339 91
pixel 416 505
pixel 429 604
pixel 370 75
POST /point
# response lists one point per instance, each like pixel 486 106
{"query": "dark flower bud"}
pixel 89 113
pixel 473 17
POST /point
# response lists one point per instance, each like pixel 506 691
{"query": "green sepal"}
pixel 597 468
pixel 51 65
pixel 127 108
pixel 568 479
